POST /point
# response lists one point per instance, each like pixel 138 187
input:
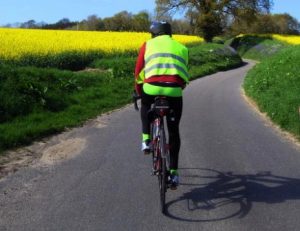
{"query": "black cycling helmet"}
pixel 160 28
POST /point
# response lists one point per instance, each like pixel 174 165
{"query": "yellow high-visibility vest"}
pixel 165 56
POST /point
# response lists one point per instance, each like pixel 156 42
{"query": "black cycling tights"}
pixel 173 124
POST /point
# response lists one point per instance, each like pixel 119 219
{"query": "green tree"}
pixel 93 22
pixel 180 26
pixel 62 24
pixel 31 24
pixel 268 24
pixel 121 21
pixel 210 16
pixel 141 21
pixel 285 24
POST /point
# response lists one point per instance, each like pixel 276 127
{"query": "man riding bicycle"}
pixel 161 70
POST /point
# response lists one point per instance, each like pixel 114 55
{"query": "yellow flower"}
pixel 291 39
pixel 19 43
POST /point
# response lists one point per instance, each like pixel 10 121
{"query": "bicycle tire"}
pixel 163 170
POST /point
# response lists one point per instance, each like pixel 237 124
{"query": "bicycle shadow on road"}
pixel 218 195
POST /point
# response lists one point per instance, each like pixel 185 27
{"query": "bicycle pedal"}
pixel 154 172
pixel 172 187
pixel 147 152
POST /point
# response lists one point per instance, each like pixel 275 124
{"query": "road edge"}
pixel 282 133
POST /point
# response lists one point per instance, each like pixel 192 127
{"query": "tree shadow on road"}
pixel 223 195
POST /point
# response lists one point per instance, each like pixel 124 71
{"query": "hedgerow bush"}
pixel 256 47
pixel 208 58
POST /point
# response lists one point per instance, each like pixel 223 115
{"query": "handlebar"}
pixel 135 98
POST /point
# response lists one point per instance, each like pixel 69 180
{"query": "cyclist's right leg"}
pixel 173 121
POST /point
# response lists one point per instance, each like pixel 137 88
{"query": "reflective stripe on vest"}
pixel 165 56
pixel 166 66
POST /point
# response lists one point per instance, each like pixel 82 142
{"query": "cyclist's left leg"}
pixel 146 102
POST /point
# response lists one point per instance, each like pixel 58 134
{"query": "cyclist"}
pixel 161 70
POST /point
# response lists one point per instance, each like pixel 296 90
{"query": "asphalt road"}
pixel 237 173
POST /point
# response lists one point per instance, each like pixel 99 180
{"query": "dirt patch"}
pixel 14 160
pixel 41 153
pixel 95 70
pixel 64 150
pixel 53 149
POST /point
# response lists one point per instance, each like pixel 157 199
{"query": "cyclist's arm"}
pixel 139 67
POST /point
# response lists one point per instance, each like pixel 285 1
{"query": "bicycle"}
pixel 159 146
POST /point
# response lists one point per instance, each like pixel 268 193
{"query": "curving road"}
pixel 237 173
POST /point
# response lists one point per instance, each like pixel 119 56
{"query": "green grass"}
pixel 275 85
pixel 37 102
pixel 71 98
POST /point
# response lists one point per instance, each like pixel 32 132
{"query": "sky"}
pixel 51 11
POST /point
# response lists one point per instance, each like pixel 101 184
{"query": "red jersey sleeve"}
pixel 139 66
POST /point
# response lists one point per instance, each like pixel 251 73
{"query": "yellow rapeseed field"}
pixel 291 39
pixel 17 43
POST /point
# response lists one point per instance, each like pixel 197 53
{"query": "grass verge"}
pixel 274 84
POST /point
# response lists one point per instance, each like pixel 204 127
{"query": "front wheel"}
pixel 163 176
